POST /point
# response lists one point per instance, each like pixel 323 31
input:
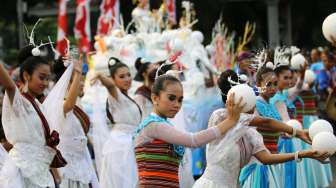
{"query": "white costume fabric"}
pixel 118 165
pixel 23 129
pixel 79 171
pixel 145 104
pixel 228 154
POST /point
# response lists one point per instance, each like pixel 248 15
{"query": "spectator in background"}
pixel 316 64
pixel 327 76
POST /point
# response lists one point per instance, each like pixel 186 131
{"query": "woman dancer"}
pixel 295 174
pixel 26 125
pixel 73 127
pixel 118 167
pixel 160 146
pixel 229 153
pixel 145 73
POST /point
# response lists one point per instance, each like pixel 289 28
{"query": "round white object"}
pixel 329 27
pixel 100 64
pixel 243 78
pixel 36 51
pixel 198 36
pixel 325 141
pixel 309 76
pixel 297 61
pixel 319 126
pixel 247 93
pixel 294 123
pixel 270 65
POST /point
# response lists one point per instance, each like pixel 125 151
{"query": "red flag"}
pixel 62 44
pixel 171 9
pixel 109 12
pixel 82 25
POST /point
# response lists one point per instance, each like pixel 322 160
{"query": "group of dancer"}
pixel 48 139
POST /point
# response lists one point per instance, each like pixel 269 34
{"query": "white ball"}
pixel 198 36
pixel 294 123
pixel 329 27
pixel 309 76
pixel 270 65
pixel 247 93
pixel 176 45
pixel 325 141
pixel 36 51
pixel 243 78
pixel 297 61
pixel 319 126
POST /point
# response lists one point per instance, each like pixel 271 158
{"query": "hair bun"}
pixel 138 63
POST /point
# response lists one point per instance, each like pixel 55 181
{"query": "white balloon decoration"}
pixel 309 76
pixel 100 64
pixel 36 51
pixel 198 36
pixel 297 61
pixel 329 27
pixel 247 93
pixel 325 141
pixel 319 126
pixel 294 123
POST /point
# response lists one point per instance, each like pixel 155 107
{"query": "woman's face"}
pixel 269 85
pixel 284 79
pixel 39 80
pixel 295 76
pixel 169 102
pixel 122 78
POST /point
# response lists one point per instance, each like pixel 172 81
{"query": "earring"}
pixel 25 87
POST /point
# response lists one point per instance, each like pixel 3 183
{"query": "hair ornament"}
pixel 112 62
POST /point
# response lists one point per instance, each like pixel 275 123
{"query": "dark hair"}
pixel 161 83
pixel 113 68
pixel 223 83
pixel 24 53
pixel 30 65
pixel 165 68
pixel 141 67
pixel 58 69
pixel 151 75
pixel 280 69
pixel 263 70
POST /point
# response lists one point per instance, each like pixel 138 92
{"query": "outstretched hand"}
pixel 233 109
pixel 304 136
pixel 319 155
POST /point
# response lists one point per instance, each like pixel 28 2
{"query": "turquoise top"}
pixel 155 118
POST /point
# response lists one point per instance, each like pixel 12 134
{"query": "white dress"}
pixel 118 165
pixel 30 154
pixel 227 155
pixel 145 104
pixel 79 171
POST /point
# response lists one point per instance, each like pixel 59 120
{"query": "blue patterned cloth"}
pixel 179 150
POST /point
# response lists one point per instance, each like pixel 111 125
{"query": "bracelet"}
pixel 294 132
pixel 296 157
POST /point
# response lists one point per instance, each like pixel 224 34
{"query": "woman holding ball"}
pixel 228 154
